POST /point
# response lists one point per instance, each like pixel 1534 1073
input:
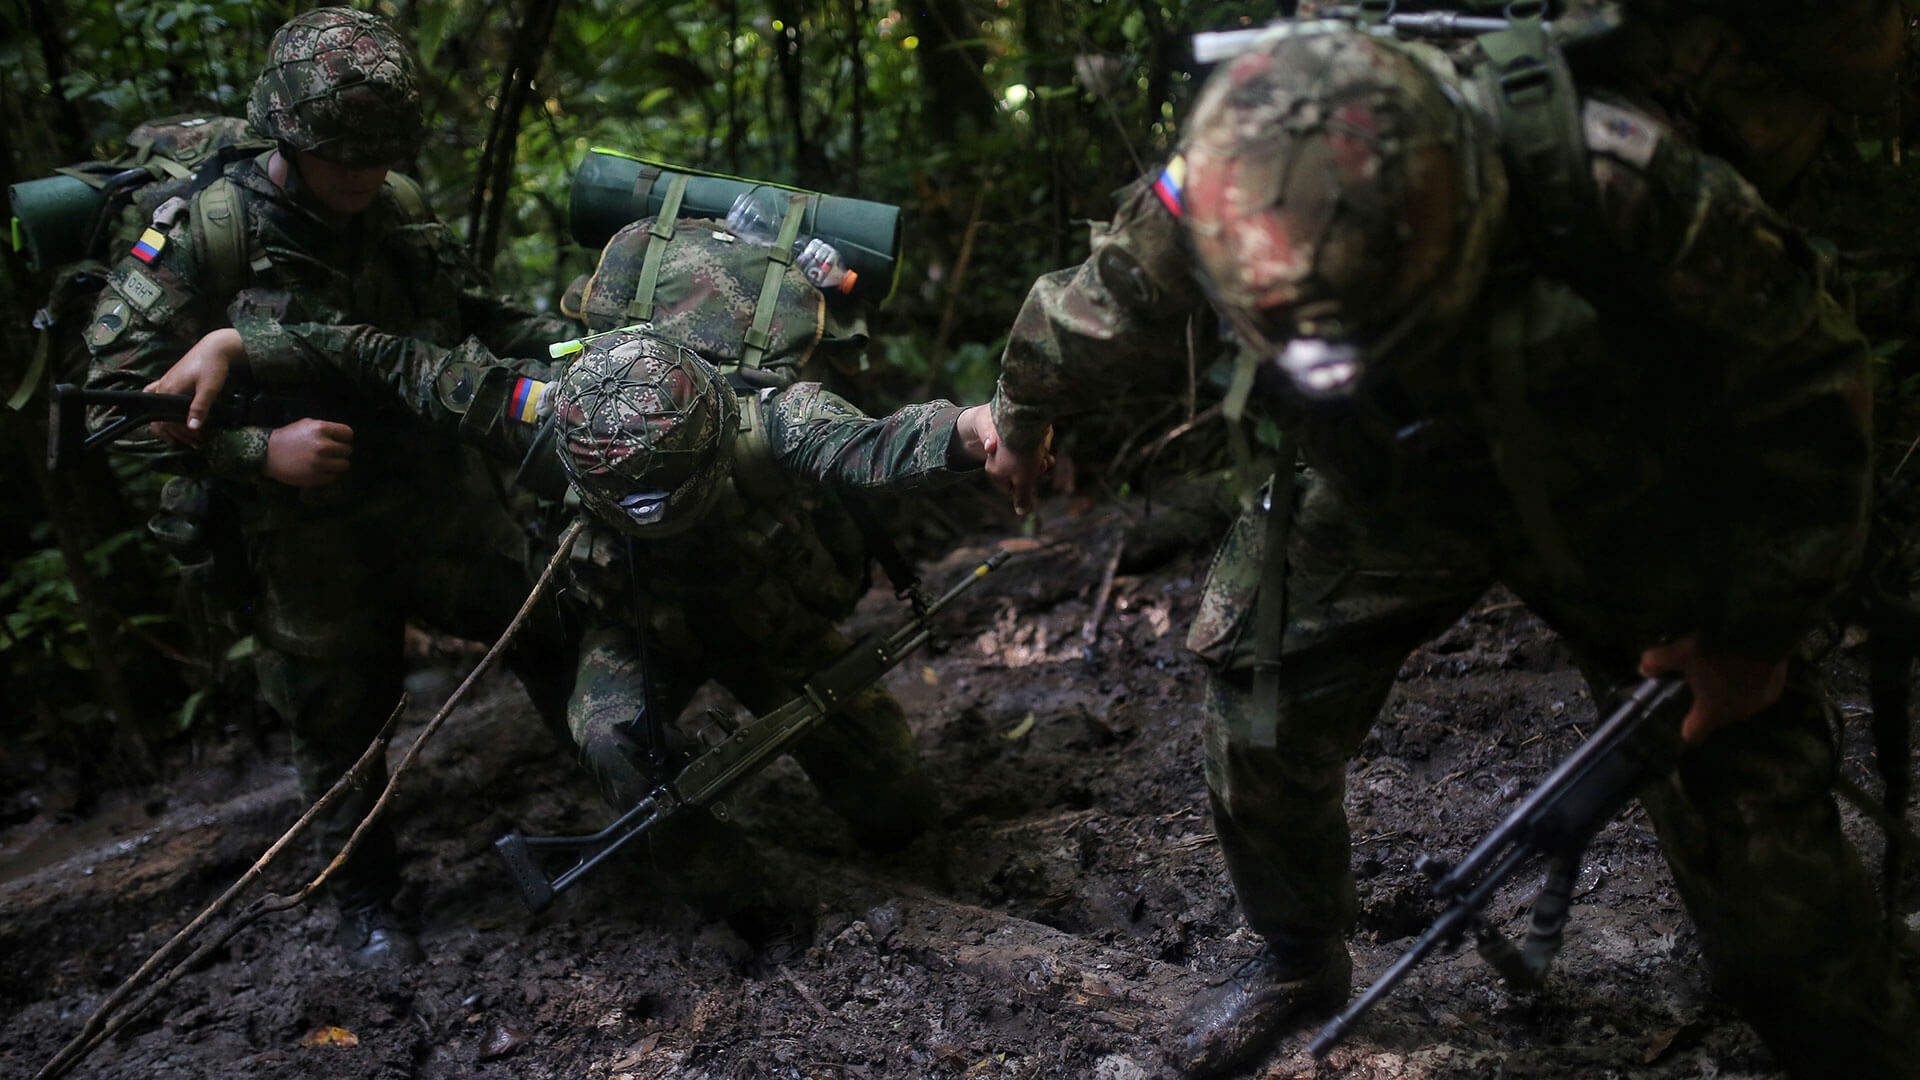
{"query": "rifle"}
pixel 733 751
pixel 1638 741
pixel 67 432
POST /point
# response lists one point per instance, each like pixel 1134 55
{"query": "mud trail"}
pixel 1072 899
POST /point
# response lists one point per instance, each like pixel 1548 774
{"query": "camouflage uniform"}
pixel 1663 432
pixel 748 597
pixel 415 528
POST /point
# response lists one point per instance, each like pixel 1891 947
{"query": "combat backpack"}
pixel 85 216
pixel 745 308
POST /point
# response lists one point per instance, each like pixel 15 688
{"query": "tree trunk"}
pixel 786 52
pixel 503 141
pixel 70 131
pixel 950 72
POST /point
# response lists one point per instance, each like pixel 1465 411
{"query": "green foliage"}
pixel 41 617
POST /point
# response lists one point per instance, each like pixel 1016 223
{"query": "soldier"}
pixel 353 522
pixel 719 547
pixel 1602 372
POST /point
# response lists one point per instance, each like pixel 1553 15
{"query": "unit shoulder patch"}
pixel 141 289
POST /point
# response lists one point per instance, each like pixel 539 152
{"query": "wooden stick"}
pixel 1090 630
pixel 98 1028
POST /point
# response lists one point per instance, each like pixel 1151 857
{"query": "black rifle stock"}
pixel 1636 742
pixel 67 432
pixel 732 752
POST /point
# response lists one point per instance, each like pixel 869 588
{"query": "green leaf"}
pixel 435 22
pixel 654 98
pixel 241 649
pixel 189 710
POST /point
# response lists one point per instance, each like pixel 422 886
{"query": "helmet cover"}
pixel 340 84
pixel 645 432
pixel 1339 198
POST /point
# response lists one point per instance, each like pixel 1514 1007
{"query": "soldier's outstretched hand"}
pixel 1725 687
pixel 1014 471
pixel 202 372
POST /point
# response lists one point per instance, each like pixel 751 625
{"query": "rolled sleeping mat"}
pixel 613 189
pixel 53 218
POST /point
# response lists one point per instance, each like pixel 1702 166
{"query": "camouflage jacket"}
pixel 1678 422
pixel 384 267
pixel 776 560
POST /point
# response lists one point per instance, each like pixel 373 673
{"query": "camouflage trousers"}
pixel 1787 916
pixel 333 591
pixel 862 758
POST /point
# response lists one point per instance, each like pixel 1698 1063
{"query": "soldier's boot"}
pixel 374 935
pixel 1237 1020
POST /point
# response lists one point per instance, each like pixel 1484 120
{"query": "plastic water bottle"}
pixel 756 216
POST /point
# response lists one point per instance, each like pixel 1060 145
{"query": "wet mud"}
pixel 1071 900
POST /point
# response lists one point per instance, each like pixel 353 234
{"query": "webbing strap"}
pixel 1521 441
pixel 409 198
pixel 779 257
pixel 641 310
pixel 1539 121
pixel 223 237
pixel 1270 608
pixel 1234 409
pixel 37 367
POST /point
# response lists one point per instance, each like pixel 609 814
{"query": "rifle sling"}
pixel 1270 608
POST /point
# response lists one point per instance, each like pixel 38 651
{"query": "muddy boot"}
pixel 1232 1023
pixel 374 935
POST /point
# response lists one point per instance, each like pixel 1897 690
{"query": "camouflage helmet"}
pixel 645 432
pixel 1340 200
pixel 339 84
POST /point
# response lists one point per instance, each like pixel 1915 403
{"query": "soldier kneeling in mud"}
pixel 718 548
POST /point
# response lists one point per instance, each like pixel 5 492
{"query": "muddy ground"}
pixel 1072 898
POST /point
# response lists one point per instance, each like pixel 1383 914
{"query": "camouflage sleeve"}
pixel 465 391
pixel 821 437
pixel 1086 332
pixel 151 312
pixel 1787 412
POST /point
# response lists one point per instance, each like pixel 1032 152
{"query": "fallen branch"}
pixel 1090 630
pixel 111 1017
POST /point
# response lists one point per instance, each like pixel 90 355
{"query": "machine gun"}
pixel 1638 740
pixel 732 752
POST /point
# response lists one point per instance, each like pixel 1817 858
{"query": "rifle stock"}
pixel 67 432
pixel 732 753
pixel 1636 742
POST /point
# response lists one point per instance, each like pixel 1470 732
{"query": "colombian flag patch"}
pixel 149 245
pixel 524 405
pixel 1173 180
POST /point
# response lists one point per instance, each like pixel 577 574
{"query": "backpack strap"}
pixel 779 257
pixel 409 198
pixel 641 309
pixel 1538 113
pixel 220 220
